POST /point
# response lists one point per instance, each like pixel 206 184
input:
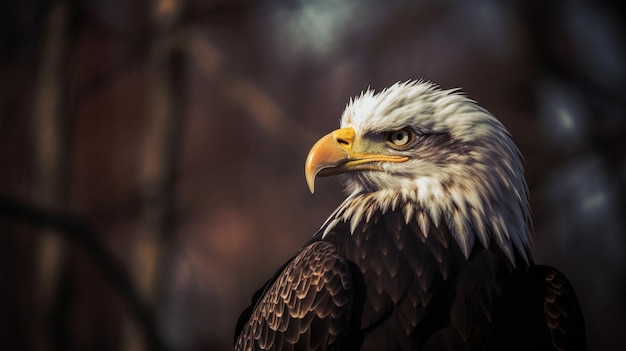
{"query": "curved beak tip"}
pixel 327 153
pixel 310 179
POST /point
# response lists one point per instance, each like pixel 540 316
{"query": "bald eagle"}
pixel 431 249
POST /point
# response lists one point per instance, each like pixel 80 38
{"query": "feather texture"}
pixel 311 297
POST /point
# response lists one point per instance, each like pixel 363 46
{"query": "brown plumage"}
pixel 431 250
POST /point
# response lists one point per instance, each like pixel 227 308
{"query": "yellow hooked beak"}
pixel 340 151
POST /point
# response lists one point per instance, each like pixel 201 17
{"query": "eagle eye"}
pixel 400 138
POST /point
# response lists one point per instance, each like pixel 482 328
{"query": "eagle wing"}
pixel 539 311
pixel 563 313
pixel 307 306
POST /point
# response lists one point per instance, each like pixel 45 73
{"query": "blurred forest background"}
pixel 152 152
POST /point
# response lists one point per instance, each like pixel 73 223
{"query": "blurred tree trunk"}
pixel 51 165
pixel 158 154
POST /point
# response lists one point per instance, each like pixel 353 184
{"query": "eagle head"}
pixel 433 153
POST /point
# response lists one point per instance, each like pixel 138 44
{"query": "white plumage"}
pixel 474 180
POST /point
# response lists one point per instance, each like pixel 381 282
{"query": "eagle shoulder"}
pixel 307 306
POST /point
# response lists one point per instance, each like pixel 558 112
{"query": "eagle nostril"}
pixel 343 142
pixel 344 137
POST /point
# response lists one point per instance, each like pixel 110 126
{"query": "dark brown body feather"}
pixel 388 286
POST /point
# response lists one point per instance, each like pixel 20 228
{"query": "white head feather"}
pixel 465 171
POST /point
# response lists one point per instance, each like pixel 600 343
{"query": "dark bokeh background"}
pixel 151 152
